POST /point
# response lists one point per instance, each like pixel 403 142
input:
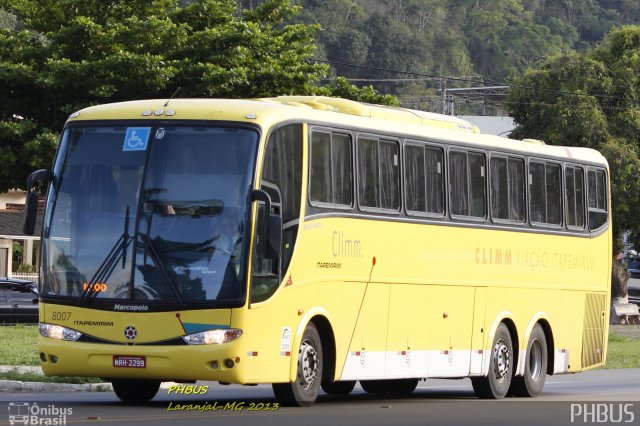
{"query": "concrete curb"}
pixel 19 386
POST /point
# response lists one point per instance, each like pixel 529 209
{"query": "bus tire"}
pixel 135 391
pixel 338 388
pixel 497 382
pixel 535 368
pixel 390 387
pixel 304 390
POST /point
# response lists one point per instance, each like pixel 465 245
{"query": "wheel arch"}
pixel 541 319
pixel 551 348
pixel 327 337
pixel 320 318
pixel 505 318
pixel 515 341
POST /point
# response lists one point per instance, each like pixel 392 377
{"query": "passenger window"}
pixel 378 174
pixel 389 175
pixel 597 191
pixel 331 170
pixel 415 178
pixel 545 194
pixel 320 179
pixel 467 184
pixel 368 185
pixel 507 189
pixel 574 188
pixel 554 203
pixel 423 179
pixel 342 169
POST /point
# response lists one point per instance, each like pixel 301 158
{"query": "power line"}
pixel 483 81
pixel 424 75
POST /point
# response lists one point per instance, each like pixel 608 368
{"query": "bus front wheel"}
pixel 304 390
pixel 135 391
pixel 497 382
pixel 535 369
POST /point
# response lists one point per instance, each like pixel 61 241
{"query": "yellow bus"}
pixel 313 242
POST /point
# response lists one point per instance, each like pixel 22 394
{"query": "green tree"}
pixel 341 88
pixel 59 56
pixel 591 100
pixel 503 38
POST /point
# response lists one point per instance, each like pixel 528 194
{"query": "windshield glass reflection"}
pixel 179 239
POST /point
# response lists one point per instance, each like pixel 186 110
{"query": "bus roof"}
pixel 337 112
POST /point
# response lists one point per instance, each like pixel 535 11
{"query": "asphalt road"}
pixel 595 397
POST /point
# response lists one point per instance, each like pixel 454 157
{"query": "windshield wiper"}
pixel 107 266
pixel 163 270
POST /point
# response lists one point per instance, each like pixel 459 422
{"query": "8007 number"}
pixel 60 316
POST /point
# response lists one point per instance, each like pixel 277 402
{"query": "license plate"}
pixel 129 361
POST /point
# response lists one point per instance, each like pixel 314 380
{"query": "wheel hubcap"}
pixel 501 360
pixel 535 359
pixel 308 361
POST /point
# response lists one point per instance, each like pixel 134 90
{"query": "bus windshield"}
pixel 150 213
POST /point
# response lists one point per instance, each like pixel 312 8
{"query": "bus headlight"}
pixel 213 337
pixel 59 332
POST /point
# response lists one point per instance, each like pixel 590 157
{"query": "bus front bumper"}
pixel 166 363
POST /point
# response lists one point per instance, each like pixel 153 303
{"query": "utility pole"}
pixel 443 90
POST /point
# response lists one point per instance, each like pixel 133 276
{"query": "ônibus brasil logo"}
pixel 26 413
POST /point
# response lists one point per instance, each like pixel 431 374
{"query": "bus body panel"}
pixel 402 295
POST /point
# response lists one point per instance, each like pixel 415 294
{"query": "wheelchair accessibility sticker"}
pixel 136 138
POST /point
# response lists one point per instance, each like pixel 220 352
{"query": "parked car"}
pixel 18 301
pixel 633 285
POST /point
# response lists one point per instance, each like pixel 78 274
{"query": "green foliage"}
pixel 23 349
pixel 590 100
pixel 59 56
pixel 622 352
pixel 25 268
pixel 341 88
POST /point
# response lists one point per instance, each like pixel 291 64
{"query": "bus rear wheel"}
pixel 135 391
pixel 304 390
pixel 391 387
pixel 338 388
pixel 535 369
pixel 497 382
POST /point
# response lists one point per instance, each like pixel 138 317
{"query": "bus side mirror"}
pixel 273 231
pixel 31 204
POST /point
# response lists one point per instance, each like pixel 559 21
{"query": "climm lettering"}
pixel 493 256
pixel 345 247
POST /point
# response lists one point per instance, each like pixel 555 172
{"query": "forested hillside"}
pixel 480 40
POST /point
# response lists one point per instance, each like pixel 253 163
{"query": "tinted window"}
pixel 423 179
pixel 516 190
pixel 545 193
pixel 320 180
pixel 467 184
pixel 282 179
pixel 341 168
pixel 389 175
pixel 330 177
pixel 574 187
pixel 415 178
pixel 378 174
pixel 458 182
pixel 597 198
